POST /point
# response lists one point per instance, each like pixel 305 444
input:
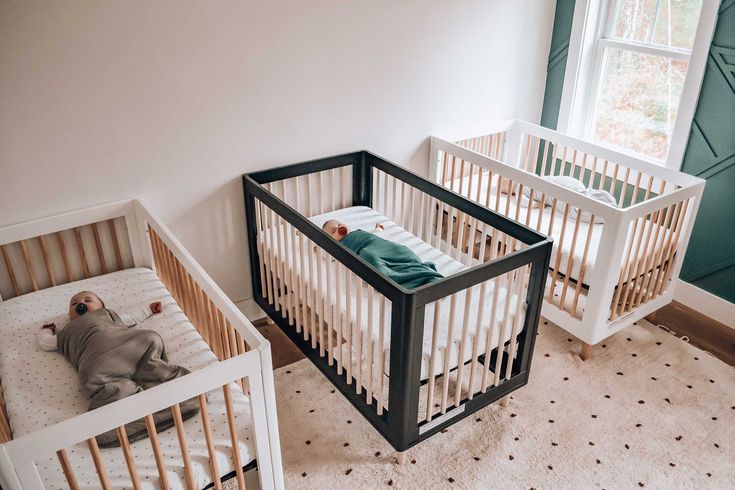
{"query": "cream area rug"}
pixel 647 410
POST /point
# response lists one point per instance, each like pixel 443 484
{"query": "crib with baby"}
pixel 128 256
pixel 620 224
pixel 412 362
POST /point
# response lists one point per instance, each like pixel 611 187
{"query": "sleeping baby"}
pixel 114 360
pixel 394 260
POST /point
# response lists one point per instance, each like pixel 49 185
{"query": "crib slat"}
pixel 521 276
pixel 433 360
pixel 233 437
pixel 320 299
pixel 286 237
pixel 570 259
pixel 658 261
pixel 11 272
pixel 673 247
pixel 649 257
pixel 259 246
pixel 358 332
pixel 328 318
pixel 447 350
pixel 623 268
pixel 29 267
pixel 47 264
pixel 213 467
pixel 632 267
pixel 582 267
pixel 509 282
pixel 462 343
pixel 153 436
pixel 381 355
pixel 337 319
pixel 304 286
pixel 183 446
pixel 129 459
pixel 100 251
pixel 281 265
pixel 115 244
pixel 559 252
pixel 640 256
pixel 348 323
pixel 370 343
pixel 312 258
pixel 476 339
pixel 82 252
pixel 98 464
pixel 68 470
pixel 492 327
pixel 294 282
pixel 64 256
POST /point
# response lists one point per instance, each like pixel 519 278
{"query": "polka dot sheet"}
pixel 41 388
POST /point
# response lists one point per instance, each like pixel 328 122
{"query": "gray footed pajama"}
pixel 114 361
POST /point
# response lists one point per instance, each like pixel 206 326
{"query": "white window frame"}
pixel 584 68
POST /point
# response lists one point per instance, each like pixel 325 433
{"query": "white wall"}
pixel 172 100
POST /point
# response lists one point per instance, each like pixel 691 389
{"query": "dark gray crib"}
pixel 411 361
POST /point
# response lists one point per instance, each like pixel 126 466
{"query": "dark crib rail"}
pixel 524 257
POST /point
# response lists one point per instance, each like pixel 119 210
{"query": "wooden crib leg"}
pixel 505 401
pixel 401 457
pixel 586 348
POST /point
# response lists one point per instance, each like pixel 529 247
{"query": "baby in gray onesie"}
pixel 114 360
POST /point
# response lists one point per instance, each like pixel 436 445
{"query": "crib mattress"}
pixel 41 388
pixel 365 218
pixel 569 247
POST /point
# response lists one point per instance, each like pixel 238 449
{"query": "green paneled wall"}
pixel 710 154
pixel 557 62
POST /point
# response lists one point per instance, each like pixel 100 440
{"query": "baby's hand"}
pixel 50 326
pixel 379 226
pixel 155 307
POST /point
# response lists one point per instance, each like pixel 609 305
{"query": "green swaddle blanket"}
pixel 396 261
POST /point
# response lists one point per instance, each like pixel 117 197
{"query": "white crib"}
pixel 610 265
pixel 75 248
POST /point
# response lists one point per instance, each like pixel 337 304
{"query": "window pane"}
pixel 638 101
pixel 670 23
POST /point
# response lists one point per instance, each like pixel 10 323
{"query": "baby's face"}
pixel 336 229
pixel 90 299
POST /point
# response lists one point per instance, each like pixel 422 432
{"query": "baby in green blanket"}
pixel 394 260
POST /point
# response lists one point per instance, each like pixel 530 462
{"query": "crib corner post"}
pixel 136 223
pixel 362 180
pixel 251 231
pixel 407 336
pixel 433 160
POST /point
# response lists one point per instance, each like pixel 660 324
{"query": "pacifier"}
pixel 342 230
pixel 81 309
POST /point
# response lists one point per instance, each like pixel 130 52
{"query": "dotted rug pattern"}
pixel 647 410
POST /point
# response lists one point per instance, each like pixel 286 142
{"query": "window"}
pixel 636 73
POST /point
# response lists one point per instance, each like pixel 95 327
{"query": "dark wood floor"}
pixel 702 332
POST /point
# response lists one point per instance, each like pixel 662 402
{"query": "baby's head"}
pixel 90 300
pixel 336 229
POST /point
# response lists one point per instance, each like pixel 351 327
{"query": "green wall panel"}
pixel 557 62
pixel 710 154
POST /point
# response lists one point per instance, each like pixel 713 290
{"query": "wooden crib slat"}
pixel 640 258
pixel 447 349
pixel 634 266
pixel 370 342
pixel 281 265
pixel 337 319
pixel 433 360
pixel 295 284
pixel 492 328
pixel 82 253
pixel 129 459
pixel 648 262
pixel 67 468
pixel 673 248
pixel 509 282
pixel 304 286
pixel 287 258
pixel 570 259
pixel 349 278
pixel 46 263
pixel 313 268
pixel 259 246
pixel 476 339
pixel 469 292
pixel 358 332
pixel 155 445
pixel 582 267
pixel 559 252
pixel 623 268
pixel 277 293
pixel 29 267
pixel 115 244
pixel 98 464
pixel 381 355
pixel 213 467
pixel 659 250
pixel 183 446
pixel 233 437
pixel 329 315
pixel 320 300
pixel 11 272
pixel 518 317
pixel 64 256
pixel 100 251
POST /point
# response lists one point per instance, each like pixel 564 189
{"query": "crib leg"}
pixel 401 457
pixel 505 401
pixel 586 348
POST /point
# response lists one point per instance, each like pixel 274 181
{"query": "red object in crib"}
pixel 342 230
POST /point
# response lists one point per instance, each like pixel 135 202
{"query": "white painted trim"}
pixel 706 303
pixel 673 53
pixel 692 84
pixel 584 60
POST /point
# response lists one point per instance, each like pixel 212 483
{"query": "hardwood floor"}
pixel 703 332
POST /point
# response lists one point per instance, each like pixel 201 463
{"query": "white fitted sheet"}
pixel 41 388
pixel 365 218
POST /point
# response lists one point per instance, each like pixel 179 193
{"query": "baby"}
pixel 394 260
pixel 114 360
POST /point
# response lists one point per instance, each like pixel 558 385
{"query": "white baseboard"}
pixel 250 309
pixel 705 303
